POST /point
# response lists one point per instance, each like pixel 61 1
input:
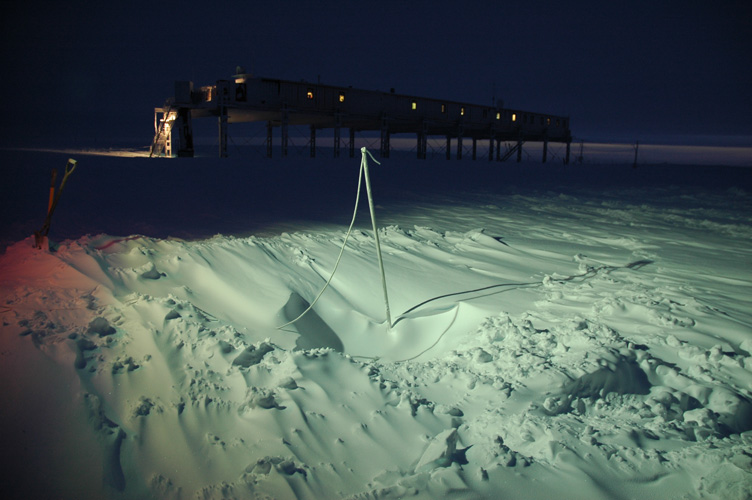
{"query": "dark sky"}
pixel 89 72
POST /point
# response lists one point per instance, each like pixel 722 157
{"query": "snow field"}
pixel 544 344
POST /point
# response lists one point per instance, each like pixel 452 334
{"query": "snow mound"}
pixel 528 359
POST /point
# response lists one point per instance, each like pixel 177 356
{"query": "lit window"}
pixel 498 115
pixel 462 111
pixel 443 108
pixel 341 97
pixel 414 105
pixel 309 95
pixel 548 121
pixel 514 117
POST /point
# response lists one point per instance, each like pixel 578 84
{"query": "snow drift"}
pixel 588 340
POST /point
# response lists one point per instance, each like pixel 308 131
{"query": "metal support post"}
pixel 367 175
pixel 384 152
pixel 313 141
pixel 284 132
pixel 222 132
pixel 545 149
pixel 269 136
pixel 423 141
pixel 337 126
pixel 185 133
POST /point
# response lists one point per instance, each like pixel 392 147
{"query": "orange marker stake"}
pixel 39 236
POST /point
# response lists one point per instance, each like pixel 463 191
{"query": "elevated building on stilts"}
pixel 282 104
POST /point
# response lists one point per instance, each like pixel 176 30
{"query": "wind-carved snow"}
pixel 569 348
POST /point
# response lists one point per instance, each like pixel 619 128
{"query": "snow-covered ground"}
pixel 558 331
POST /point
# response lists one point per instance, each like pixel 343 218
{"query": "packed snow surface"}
pixel 574 342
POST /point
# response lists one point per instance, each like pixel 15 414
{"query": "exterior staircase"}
pixel 161 145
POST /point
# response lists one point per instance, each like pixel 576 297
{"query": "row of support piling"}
pixel 494 150
pixel 312 143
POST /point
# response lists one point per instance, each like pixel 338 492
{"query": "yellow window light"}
pixel 514 117
pixel 414 105
pixel 309 95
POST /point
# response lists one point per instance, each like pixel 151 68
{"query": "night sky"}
pixel 87 73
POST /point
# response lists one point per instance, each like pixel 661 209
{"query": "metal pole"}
pixel 337 133
pixel 269 137
pixel 313 141
pixel 364 161
pixel 519 150
pixel 223 132
pixel 285 135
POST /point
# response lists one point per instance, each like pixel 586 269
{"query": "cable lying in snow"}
pixel 591 272
pixel 341 251
pixel 469 295
pixel 364 173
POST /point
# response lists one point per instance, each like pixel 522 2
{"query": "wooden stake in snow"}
pixel 39 236
pixel 364 164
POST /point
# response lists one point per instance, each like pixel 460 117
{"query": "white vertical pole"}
pixel 364 162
